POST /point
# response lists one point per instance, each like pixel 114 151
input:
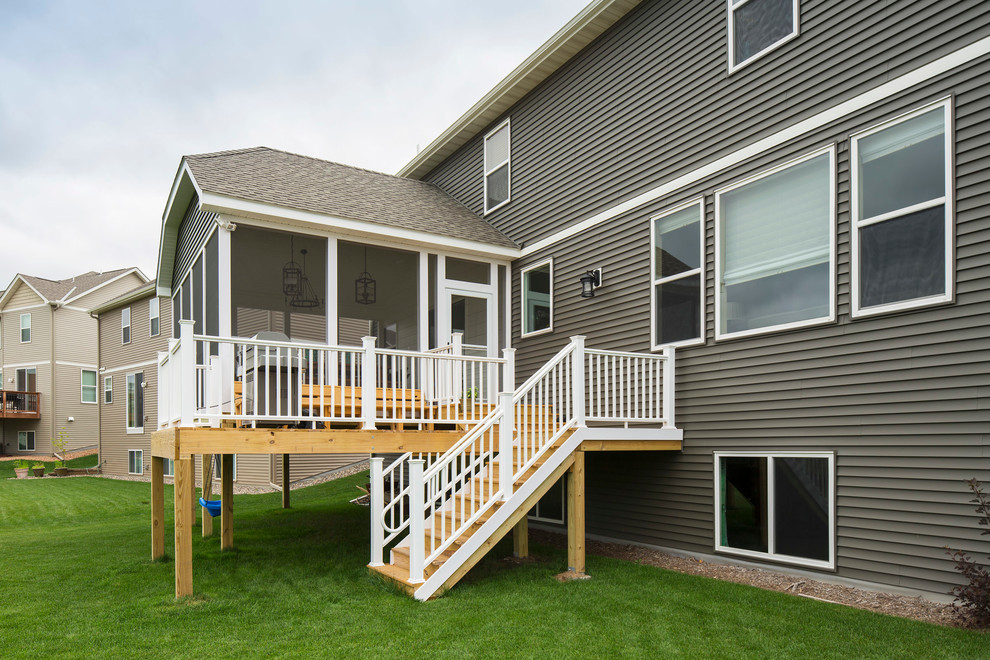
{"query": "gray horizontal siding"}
pixel 195 229
pixel 902 399
pixel 652 99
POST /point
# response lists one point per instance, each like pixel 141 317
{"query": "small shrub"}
pixel 59 446
pixel 972 601
pixel 38 465
pixel 22 465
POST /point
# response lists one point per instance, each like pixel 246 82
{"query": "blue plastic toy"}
pixel 212 506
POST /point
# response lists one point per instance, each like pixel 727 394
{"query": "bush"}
pixel 22 465
pixel 973 599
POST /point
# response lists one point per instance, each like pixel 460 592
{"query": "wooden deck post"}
pixel 183 527
pixel 157 507
pixel 575 515
pixel 285 481
pixel 520 538
pixel 193 500
pixel 207 492
pixel 227 504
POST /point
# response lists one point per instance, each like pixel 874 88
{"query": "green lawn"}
pixel 76 581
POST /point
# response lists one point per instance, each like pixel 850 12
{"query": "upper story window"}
pixel 26 379
pixel 677 274
pixel 135 403
pixel 758 26
pixel 497 167
pixel 537 298
pixel 902 213
pixel 108 389
pixel 154 313
pixel 88 386
pixel 26 328
pixel 125 325
pixel 775 249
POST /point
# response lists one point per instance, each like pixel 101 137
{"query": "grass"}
pixel 76 580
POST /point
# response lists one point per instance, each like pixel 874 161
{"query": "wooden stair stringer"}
pixel 503 520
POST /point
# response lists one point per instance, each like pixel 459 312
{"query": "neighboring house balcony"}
pixel 20 405
pixel 475 451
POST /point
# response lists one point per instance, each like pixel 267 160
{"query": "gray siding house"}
pixel 795 195
pixel 791 196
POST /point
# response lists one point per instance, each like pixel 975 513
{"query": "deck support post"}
pixel 227 502
pixel 285 481
pixel 520 538
pixel 575 515
pixel 183 527
pixel 157 507
pixel 207 493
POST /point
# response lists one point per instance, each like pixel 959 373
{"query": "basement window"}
pixel 776 506
pixel 135 461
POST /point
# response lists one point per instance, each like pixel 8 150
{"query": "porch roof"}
pixel 283 179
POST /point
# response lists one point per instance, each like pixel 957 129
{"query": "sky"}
pixel 100 100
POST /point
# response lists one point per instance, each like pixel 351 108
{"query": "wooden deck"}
pixel 20 405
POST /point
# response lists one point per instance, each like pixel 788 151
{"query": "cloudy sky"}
pixel 99 100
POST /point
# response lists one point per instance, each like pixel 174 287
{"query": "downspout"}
pixel 100 400
pixel 51 396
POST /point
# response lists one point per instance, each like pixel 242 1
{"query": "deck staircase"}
pixel 441 513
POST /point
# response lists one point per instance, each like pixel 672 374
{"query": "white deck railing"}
pixel 576 386
pixel 205 380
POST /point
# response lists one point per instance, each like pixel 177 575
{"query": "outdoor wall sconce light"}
pixel 590 281
pixel 365 287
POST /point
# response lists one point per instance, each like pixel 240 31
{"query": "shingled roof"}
pixel 299 182
pixel 53 290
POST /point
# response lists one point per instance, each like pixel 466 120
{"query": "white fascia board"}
pixel 295 217
pixel 170 227
pixel 9 292
pixel 879 93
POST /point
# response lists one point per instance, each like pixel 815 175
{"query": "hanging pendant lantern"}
pixel 365 285
pixel 306 298
pixel 292 275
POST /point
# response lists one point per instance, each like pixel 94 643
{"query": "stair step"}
pixel 396 575
pixel 400 559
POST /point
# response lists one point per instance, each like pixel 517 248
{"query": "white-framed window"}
pixel 218 467
pixel 537 298
pixel 677 275
pixel 757 27
pixel 26 328
pixel 498 175
pixel 135 403
pixel 87 385
pixel 108 389
pixel 154 314
pixel 775 248
pixel 168 467
pixel 551 507
pixel 25 441
pixel 135 461
pixel 902 212
pixel 125 325
pixel 778 506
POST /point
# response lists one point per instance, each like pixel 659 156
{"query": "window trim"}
pixel 218 466
pixel 151 317
pixel 656 281
pixel 140 463
pixel 783 327
pixel 95 386
pixel 523 301
pixel 107 389
pixel 507 162
pixel 563 504
pixel 771 536
pixel 132 430
pixel 731 7
pixel 168 467
pixel 947 201
pixel 125 339
pixel 32 445
pixel 26 315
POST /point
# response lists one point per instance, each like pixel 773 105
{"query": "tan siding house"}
pixel 48 357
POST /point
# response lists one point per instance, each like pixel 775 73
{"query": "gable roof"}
pixel 146 290
pixel 581 30
pixel 284 179
pixel 61 291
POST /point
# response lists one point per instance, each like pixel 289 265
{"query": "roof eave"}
pixel 581 30
pixel 9 291
pixel 136 294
